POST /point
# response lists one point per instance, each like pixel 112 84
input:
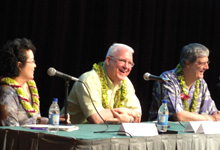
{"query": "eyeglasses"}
pixel 33 62
pixel 203 63
pixel 123 61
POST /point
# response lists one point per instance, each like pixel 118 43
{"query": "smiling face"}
pixel 197 69
pixel 27 71
pixel 119 65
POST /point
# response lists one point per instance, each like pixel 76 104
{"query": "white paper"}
pixel 138 129
pixel 61 127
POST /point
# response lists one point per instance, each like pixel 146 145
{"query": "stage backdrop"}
pixel 71 35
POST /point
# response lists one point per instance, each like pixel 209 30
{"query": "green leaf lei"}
pixel 32 110
pixel 120 96
pixel 186 96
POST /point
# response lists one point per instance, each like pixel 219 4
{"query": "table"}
pixel 26 139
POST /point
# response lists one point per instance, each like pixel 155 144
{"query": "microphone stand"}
pixel 161 92
pixel 67 84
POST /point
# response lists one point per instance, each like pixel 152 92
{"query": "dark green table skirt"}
pixel 26 139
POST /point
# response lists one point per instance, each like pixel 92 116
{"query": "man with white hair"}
pixel 111 91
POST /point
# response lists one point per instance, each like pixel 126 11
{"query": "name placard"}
pixel 209 128
pixel 138 129
pixel 203 127
pixel 193 126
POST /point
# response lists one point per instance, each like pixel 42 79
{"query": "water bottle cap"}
pixel 165 101
pixel 55 99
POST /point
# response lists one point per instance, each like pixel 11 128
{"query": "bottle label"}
pixel 54 119
pixel 162 119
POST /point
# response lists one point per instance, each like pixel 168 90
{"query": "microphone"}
pixel 53 72
pixel 147 76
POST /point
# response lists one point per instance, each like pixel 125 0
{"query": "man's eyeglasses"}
pixel 33 62
pixel 203 63
pixel 123 61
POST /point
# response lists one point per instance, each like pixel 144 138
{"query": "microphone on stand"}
pixel 147 76
pixel 53 72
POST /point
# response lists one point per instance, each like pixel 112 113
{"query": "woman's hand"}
pixel 42 120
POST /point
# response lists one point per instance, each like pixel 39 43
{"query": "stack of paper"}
pixel 45 127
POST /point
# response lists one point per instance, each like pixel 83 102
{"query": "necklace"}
pixel 184 95
pixel 32 110
pixel 120 96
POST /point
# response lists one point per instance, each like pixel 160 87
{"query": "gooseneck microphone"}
pixel 53 72
pixel 147 76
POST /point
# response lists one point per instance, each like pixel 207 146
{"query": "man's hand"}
pixel 133 113
pixel 62 118
pixel 215 116
pixel 117 115
pixel 217 112
pixel 119 118
pixel 190 116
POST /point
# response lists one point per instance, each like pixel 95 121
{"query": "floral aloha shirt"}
pixel 12 112
pixel 172 93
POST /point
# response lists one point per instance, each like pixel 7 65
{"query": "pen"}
pixel 35 128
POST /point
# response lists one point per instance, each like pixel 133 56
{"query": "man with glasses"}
pixel 111 91
pixel 186 91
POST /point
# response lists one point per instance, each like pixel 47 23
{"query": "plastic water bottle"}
pixel 162 117
pixel 54 116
